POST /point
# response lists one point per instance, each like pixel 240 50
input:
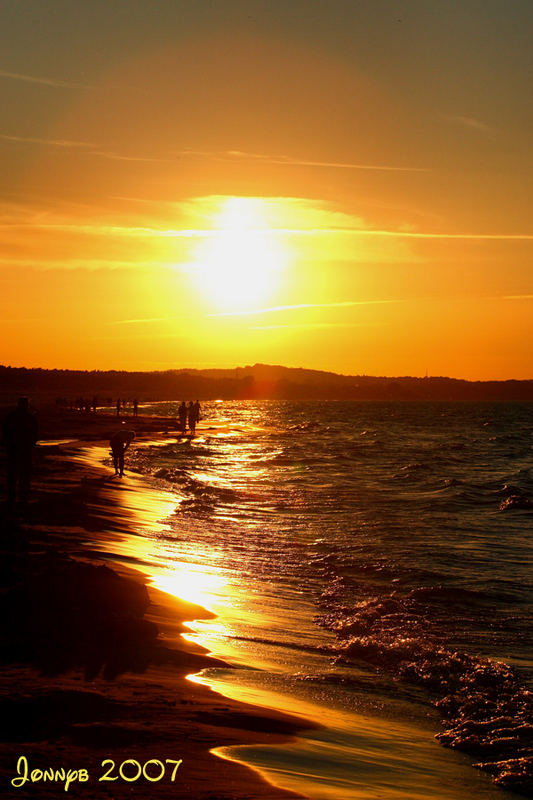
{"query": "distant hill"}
pixel 260 381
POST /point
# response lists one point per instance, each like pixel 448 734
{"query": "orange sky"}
pixel 341 186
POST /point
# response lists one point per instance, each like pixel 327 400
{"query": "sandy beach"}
pixel 94 664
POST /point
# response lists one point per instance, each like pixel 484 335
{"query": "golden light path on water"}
pixel 353 756
pixel 148 508
pixel 196 581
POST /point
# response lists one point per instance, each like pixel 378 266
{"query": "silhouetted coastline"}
pixel 93 661
pixel 256 382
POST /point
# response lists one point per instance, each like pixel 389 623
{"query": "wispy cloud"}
pixel 147 231
pixel 398 234
pixel 88 148
pixel 420 235
pixel 271 310
pixel 142 321
pixel 298 306
pixel 311 220
pixel 518 297
pixel 468 122
pixel 92 264
pixel 308 326
pixel 129 336
pixel 50 142
pixel 48 237
pixel 17 76
pixel 131 231
pixel 120 157
pixel 290 161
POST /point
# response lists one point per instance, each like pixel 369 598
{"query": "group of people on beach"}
pixel 188 414
pixel 19 436
pixel 121 440
pixel 88 405
pixel 122 404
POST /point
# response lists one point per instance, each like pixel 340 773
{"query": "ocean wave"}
pixel 390 515
pixel 306 426
pixel 516 501
pixel 401 633
pixel 415 471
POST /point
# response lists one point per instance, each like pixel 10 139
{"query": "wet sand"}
pixel 94 664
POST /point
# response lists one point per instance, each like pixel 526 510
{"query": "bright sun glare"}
pixel 241 260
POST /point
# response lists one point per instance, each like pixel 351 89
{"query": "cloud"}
pixel 142 321
pixel 50 142
pixel 271 310
pixel 311 325
pixel 120 157
pixel 85 238
pixel 468 122
pixel 96 263
pixel 470 236
pixel 89 147
pixel 17 76
pixel 201 215
pixel 298 306
pixel 297 162
pixel 401 234
pixel 97 229
pixel 310 218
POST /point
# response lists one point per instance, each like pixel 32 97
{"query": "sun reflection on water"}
pixel 206 587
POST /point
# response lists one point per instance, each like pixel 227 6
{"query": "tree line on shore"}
pixel 256 382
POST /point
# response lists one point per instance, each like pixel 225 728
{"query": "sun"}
pixel 241 259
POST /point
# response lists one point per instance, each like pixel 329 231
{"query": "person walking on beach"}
pixel 19 436
pixel 191 416
pixel 193 413
pixel 119 443
pixel 197 416
pixel 118 406
pixel 136 408
pixel 182 417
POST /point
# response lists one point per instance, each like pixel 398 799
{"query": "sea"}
pixel 370 566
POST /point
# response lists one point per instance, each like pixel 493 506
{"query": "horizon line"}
pixel 424 377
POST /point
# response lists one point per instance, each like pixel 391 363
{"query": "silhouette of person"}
pixel 191 416
pixel 19 436
pixel 197 413
pixel 135 407
pixel 182 417
pixel 119 443
pixel 118 406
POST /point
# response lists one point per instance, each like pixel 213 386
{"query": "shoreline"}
pixel 390 744
pixel 67 535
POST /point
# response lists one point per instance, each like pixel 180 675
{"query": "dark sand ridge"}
pixel 94 666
